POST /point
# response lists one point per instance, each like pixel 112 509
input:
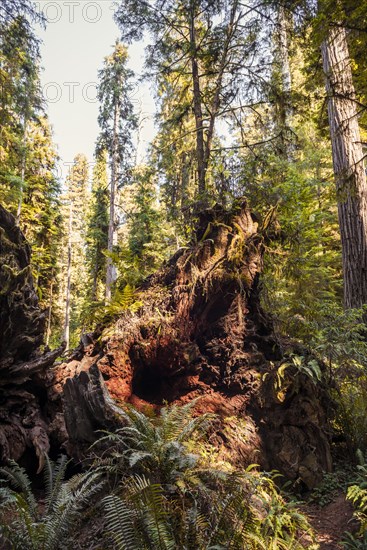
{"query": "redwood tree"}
pixel 348 162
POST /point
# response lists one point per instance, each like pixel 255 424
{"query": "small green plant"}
pixel 326 491
pixel 26 524
pixel 357 494
pixel 350 394
pixel 351 542
pixel 154 446
pixel 245 511
pixel 289 370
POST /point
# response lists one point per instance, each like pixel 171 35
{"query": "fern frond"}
pixel 54 474
pixel 18 478
pixel 74 495
pixel 121 523
pixel 149 501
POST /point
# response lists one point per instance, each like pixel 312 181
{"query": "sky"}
pixel 79 34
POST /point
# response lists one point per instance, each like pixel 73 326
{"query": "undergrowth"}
pixel 357 495
pixel 151 490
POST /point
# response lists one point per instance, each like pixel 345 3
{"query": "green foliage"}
pixel 97 233
pixel 73 259
pixel 28 185
pixel 288 372
pixel 144 518
pixel 27 525
pixel 298 363
pixel 351 542
pixel 164 496
pixel 40 215
pixel 170 497
pixel 351 413
pixel 149 239
pixel 337 336
pixel 357 494
pixel 156 446
pixel 333 483
pixel 102 314
pixel 138 521
pixel 146 239
pixel 12 9
pixel 114 91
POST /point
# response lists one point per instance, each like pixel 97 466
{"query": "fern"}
pixel 54 476
pixel 34 529
pixel 140 517
pixel 154 447
pixel 120 521
pixel 100 313
pixel 169 499
pixel 18 479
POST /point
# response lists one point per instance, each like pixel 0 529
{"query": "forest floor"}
pixel 331 521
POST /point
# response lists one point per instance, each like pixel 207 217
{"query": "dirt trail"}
pixel 331 521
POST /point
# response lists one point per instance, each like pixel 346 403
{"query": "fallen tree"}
pixel 201 333
pixel 23 423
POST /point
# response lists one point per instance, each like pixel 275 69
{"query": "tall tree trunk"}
pixel 111 223
pixel 349 171
pixel 22 172
pixel 95 281
pixel 68 283
pixel 198 112
pixel 283 105
pixel 216 102
pixel 285 71
pixel 49 315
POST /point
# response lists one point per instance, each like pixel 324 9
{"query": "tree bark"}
pixel 23 418
pixel 111 223
pixel 198 112
pixel 348 162
pixel 22 172
pixel 88 407
pixel 68 283
pixel 49 314
pixel 284 106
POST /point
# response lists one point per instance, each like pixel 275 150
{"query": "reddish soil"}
pixel 331 521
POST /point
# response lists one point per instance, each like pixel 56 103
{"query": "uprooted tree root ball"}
pixel 201 332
